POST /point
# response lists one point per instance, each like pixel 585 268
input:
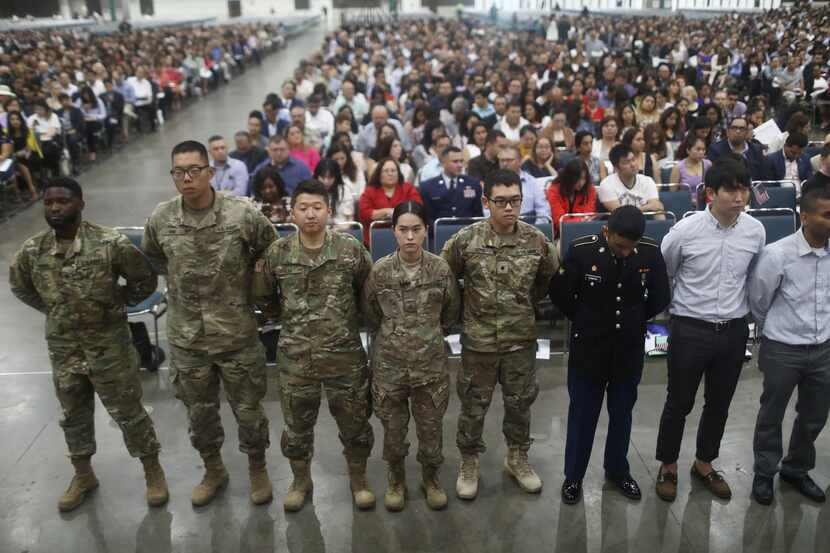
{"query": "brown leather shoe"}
pixel 714 482
pixel 666 486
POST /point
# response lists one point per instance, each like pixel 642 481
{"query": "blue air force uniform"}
pixel 609 300
pixel 442 199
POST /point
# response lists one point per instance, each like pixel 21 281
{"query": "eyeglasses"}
pixel 192 172
pixel 501 203
pixel 734 128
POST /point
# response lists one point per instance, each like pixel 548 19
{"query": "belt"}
pixel 717 327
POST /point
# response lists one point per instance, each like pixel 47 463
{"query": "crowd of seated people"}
pixel 65 96
pixel 387 106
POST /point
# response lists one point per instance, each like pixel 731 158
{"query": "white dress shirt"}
pixel 789 292
pixel 710 265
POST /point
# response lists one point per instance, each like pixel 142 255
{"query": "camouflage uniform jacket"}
pixel 504 277
pixel 318 300
pixel 79 292
pixel 209 265
pixel 411 318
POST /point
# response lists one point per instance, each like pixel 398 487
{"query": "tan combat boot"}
pixel 363 496
pixel 395 497
pixel 468 475
pixel 517 466
pixel 216 477
pixel 261 491
pixel 300 487
pixel 81 485
pixel 435 494
pixel 157 493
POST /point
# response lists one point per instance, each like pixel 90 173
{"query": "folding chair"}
pixel 592 223
pixel 778 222
pixel 381 239
pixel 445 228
pixel 665 171
pixel 676 198
pixel 285 229
pixel 352 227
pixel 782 194
pixel 570 230
pixel 545 224
pixel 154 305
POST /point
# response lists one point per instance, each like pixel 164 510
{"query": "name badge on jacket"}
pixel 469 193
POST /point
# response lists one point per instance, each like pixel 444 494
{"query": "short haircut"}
pixel 515 104
pixel 810 195
pixel 580 136
pixel 189 146
pixel 312 187
pixel 493 136
pixel 627 221
pixel 618 152
pixel 729 173
pixel 515 149
pixel 65 182
pixel 276 139
pixel 796 139
pixel 741 117
pixel 450 150
pixel 409 206
pixel 275 103
pixel 242 134
pixel 501 177
pixel 215 137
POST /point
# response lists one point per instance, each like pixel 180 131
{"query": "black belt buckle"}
pixel 721 325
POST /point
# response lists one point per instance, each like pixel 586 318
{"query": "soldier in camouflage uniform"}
pixel 506 265
pixel 313 279
pixel 411 297
pixel 207 243
pixel 71 273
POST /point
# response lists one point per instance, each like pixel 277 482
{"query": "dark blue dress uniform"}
pixel 442 200
pixel 609 300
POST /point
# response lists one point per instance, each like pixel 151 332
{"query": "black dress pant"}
pixel 700 350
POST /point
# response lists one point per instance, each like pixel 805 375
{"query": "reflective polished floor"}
pixel 34 470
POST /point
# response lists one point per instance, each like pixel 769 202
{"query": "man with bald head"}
pixel 368 136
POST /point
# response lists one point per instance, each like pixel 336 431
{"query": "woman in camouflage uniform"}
pixel 411 299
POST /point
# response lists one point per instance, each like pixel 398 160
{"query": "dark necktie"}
pixel 452 184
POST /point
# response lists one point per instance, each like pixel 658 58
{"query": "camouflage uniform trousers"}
pixel 196 376
pixel 110 369
pixel 349 404
pixel 428 403
pixel 477 379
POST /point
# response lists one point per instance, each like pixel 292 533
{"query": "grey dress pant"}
pixel 785 368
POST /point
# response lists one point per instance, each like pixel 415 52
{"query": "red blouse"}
pixel 583 203
pixel 375 198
